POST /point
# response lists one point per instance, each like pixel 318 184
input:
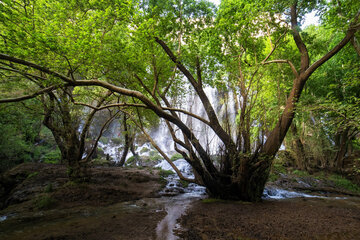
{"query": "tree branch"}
pixel 165 156
pixel 299 42
pixel 98 138
pixel 274 48
pixel 35 66
pixel 214 121
pixel 18 99
pixel 293 69
pixel 97 108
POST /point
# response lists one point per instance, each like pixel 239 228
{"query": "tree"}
pixel 327 121
pixel 147 58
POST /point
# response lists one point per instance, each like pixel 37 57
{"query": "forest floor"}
pixel 43 204
pixel 124 203
pixel 297 218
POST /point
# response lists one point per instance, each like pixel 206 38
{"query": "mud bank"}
pixel 296 218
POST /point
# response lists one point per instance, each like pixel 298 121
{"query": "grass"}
pixel 165 173
pixel 44 202
pixel 300 173
pixel 277 168
pixel 344 183
pixel 52 156
pixel 163 182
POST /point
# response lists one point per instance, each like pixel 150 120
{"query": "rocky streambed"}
pixel 124 203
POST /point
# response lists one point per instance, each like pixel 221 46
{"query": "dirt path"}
pixel 300 218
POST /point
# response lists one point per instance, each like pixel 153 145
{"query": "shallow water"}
pixel 175 208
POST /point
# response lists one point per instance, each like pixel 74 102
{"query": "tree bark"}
pixel 342 149
pixel 128 142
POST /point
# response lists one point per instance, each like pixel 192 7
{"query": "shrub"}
pixel 116 141
pixel 184 184
pixel 48 188
pixel 44 202
pixel 144 150
pixel 342 182
pixel 34 174
pixel 52 156
pixel 104 140
pixel 155 158
pixel 165 173
pixel 300 173
pixel 131 160
pixel 176 156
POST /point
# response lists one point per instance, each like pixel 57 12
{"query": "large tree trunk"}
pixel 342 146
pixel 128 142
pixel 298 149
pixel 247 185
pixel 59 121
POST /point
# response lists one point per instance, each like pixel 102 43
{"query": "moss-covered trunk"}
pixel 246 184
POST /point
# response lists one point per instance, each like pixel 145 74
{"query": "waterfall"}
pixel 161 134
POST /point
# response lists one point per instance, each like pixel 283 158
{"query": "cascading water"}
pixel 161 135
pixel 174 185
pixel 178 197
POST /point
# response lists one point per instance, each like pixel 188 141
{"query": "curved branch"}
pixel 22 73
pixel 98 108
pixel 214 121
pixel 293 69
pixel 274 48
pixel 349 35
pixel 22 98
pixel 165 156
pixel 88 122
pixel 143 106
pixel 299 42
pixel 87 158
pixel 161 113
pixel 35 66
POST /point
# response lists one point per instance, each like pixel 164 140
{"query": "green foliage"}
pixel 53 156
pixel 344 183
pixel 19 132
pixel 48 188
pixel 154 156
pixel 184 184
pixel 44 202
pixel 131 160
pixel 114 42
pixel 277 169
pixel 104 140
pixel 144 150
pixel 100 151
pixel 165 173
pixel 300 173
pixel 116 141
pixel 176 156
pixel 34 174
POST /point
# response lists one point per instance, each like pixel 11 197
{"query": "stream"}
pixel 177 199
pixel 143 218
